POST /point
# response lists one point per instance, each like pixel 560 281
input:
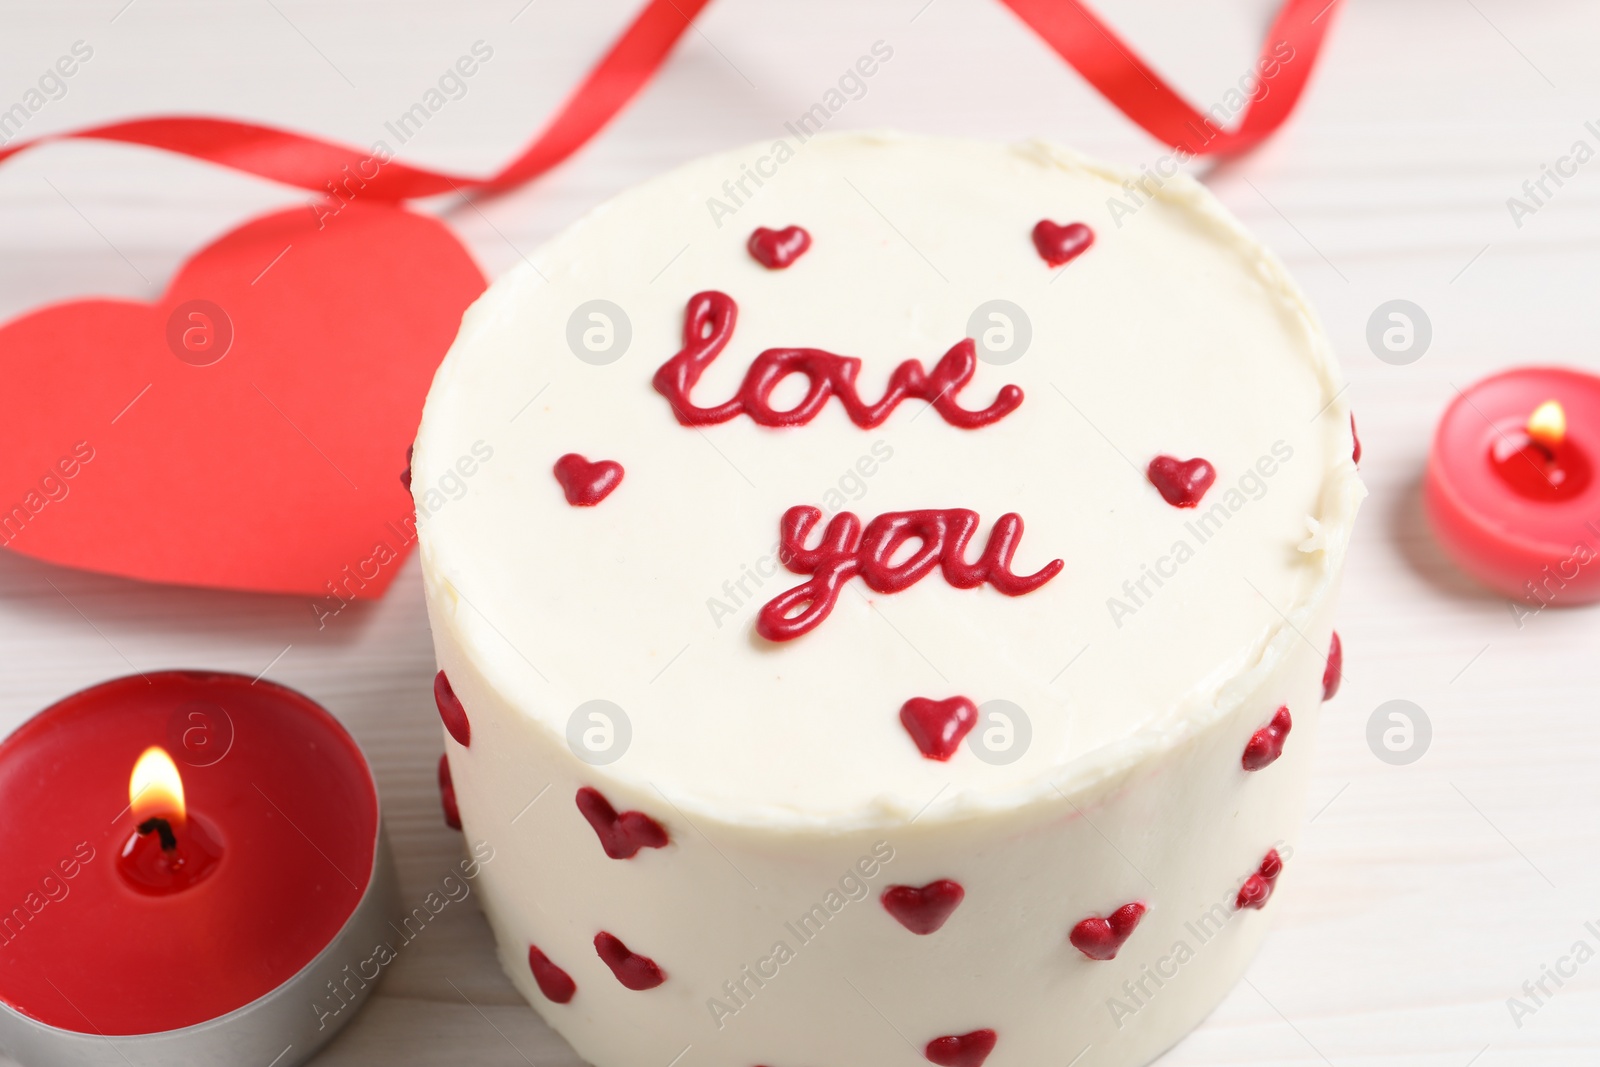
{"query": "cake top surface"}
pixel 1170 333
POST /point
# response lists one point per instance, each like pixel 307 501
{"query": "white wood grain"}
pixel 1424 896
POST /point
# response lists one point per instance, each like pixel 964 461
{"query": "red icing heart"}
pixel 447 794
pixel 632 970
pixel 451 710
pixel 938 726
pixel 1061 244
pixel 1355 448
pixel 1257 889
pixel 776 249
pixel 553 981
pixel 1333 674
pixel 1181 482
pixel 922 910
pixel 586 484
pixel 1266 744
pixel 256 450
pixel 1099 939
pixel 622 836
pixel 962 1050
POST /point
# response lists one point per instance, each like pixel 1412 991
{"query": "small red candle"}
pixel 164 903
pixel 1511 490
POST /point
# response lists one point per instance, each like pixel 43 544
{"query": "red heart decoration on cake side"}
pixel 585 484
pixel 1257 889
pixel 632 970
pixel 1100 938
pixel 923 909
pixel 553 981
pixel 447 794
pixel 246 430
pixel 1181 482
pixel 621 835
pixel 1333 673
pixel 776 249
pixel 938 726
pixel 1061 244
pixel 961 1050
pixel 1266 744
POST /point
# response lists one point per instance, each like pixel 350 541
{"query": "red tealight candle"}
pixel 203 910
pixel 1510 490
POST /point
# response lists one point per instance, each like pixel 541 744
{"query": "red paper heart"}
pixel 1182 482
pixel 961 1050
pixel 621 835
pixel 1100 938
pixel 776 249
pixel 553 981
pixel 923 909
pixel 1333 673
pixel 1061 244
pixel 632 970
pixel 1266 744
pixel 585 484
pixel 247 430
pixel 938 726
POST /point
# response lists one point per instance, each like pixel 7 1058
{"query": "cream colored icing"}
pixel 791 795
pixel 1175 333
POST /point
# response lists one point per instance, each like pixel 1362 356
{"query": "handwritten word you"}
pixel 708 323
pixel 845 551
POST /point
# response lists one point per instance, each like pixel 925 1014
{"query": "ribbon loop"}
pixel 1068 26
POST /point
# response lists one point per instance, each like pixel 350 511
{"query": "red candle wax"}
pixel 1520 511
pixel 272 855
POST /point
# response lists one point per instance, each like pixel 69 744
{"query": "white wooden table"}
pixel 1424 896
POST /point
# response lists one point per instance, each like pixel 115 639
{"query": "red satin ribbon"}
pixel 311 163
pixel 1069 27
pixel 1112 67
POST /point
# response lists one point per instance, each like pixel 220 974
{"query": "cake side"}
pixel 958 706
pixel 776 945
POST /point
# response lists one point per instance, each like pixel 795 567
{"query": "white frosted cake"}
pixel 883 600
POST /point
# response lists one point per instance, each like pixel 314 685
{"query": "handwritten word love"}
pixel 845 551
pixel 708 322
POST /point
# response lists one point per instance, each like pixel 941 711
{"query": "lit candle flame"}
pixel 1548 424
pixel 156 790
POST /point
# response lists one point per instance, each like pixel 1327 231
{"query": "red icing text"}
pixel 708 322
pixel 845 551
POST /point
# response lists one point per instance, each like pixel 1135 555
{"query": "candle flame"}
pixel 156 789
pixel 1548 424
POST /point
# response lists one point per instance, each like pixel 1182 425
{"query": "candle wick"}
pixel 169 840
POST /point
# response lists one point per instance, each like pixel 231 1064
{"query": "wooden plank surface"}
pixel 1424 895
